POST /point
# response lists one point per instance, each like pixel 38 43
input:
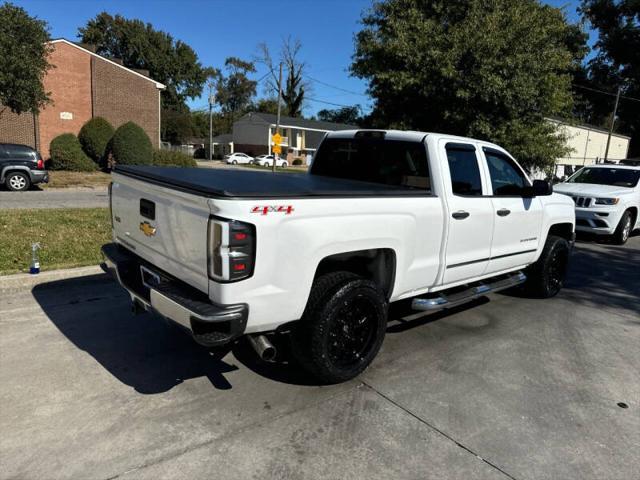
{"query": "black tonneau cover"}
pixel 237 183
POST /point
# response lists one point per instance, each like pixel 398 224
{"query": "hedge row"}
pixel 168 158
pixel 98 144
pixel 67 154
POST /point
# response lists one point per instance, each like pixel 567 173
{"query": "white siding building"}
pixel 588 145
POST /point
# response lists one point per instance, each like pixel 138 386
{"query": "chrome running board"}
pixel 447 300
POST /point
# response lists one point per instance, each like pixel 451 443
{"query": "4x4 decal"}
pixel 264 210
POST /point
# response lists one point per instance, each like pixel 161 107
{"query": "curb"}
pixel 22 281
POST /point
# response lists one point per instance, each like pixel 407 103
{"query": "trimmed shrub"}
pixel 167 158
pixel 66 154
pixel 297 161
pixel 130 145
pixel 94 137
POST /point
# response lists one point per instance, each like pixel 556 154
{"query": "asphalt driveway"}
pixel 504 388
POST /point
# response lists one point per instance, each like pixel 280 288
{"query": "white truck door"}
pixel 470 214
pixel 517 220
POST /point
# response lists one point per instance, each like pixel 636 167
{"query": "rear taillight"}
pixel 231 249
pixel 40 164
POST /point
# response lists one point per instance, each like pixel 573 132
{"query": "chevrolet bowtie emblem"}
pixel 148 229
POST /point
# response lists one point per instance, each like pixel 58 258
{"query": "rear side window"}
pixel 388 162
pixel 464 169
pixel 20 153
pixel 506 178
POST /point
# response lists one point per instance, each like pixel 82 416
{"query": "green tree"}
pixel 94 137
pixel 294 86
pixel 490 69
pixel 266 105
pixel 175 126
pixel 140 45
pixel 24 53
pixel 349 115
pixel 616 64
pixel 234 89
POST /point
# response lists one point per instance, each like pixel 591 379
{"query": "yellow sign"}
pixel 276 138
pixel 148 229
pixel 276 149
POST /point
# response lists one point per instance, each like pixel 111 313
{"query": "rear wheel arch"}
pixel 377 265
pixel 6 170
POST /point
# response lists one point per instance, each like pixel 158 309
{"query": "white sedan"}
pixel 267 161
pixel 236 158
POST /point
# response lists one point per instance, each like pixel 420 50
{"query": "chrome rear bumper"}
pixel 210 323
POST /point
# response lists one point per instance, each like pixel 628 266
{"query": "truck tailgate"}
pixel 166 227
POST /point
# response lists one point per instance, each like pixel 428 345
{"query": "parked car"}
pixel 382 216
pixel 267 161
pixel 20 167
pixel 235 158
pixel 607 199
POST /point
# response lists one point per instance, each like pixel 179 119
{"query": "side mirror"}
pixel 542 188
pixel 539 188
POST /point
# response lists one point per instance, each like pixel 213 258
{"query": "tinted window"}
pixel 464 170
pixel 506 178
pixel 20 153
pixel 389 162
pixel 618 177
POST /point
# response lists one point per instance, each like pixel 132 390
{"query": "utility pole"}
pixel 211 101
pixel 613 121
pixel 273 168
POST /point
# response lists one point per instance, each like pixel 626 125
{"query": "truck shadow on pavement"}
pixel 601 276
pixel 153 355
pixel 605 276
pixel 146 352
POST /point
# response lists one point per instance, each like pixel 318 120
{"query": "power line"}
pixel 335 87
pixel 605 92
pixel 328 103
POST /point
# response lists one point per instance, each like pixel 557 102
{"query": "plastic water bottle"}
pixel 35 261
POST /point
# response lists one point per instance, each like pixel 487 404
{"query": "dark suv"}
pixel 20 167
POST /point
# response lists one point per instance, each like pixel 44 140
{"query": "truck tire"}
pixel 17 181
pixel 623 230
pixel 546 277
pixel 342 327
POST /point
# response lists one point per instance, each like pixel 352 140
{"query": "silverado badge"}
pixel 148 229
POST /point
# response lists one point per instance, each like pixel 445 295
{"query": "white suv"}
pixel 607 199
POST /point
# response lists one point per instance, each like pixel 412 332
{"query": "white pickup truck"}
pixel 382 216
pixel 607 199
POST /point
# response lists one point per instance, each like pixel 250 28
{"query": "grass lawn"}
pixel 62 179
pixel 69 237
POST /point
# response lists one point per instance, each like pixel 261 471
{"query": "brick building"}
pixel 84 85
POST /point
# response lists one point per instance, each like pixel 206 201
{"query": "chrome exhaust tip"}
pixel 263 347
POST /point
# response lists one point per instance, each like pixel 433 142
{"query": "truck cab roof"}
pixel 407 136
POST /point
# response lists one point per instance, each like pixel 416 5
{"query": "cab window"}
pixel 464 169
pixel 506 178
pixel 373 159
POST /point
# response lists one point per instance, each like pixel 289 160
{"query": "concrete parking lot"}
pixel 505 388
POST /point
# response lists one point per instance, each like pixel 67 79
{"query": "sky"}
pixel 217 29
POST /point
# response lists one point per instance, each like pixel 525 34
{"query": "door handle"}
pixel 460 215
pixel 503 212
